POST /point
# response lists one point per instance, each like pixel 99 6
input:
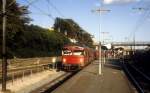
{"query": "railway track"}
pixel 50 86
pixel 138 78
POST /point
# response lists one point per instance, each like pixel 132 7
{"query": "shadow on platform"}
pixel 114 64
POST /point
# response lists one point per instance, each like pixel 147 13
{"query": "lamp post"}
pixel 100 10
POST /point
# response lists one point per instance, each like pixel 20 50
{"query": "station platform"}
pixel 112 80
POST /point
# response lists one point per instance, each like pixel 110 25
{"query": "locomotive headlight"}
pixel 64 60
pixel 81 60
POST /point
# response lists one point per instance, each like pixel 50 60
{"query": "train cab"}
pixel 74 56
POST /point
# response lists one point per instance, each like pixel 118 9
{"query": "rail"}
pixel 135 82
pixel 51 85
pixel 142 74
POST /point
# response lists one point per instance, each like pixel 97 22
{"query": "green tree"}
pixel 73 30
pixel 24 40
pixel 17 17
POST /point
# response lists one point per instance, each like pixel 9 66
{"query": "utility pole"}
pixel 100 10
pixel 103 42
pixel 4 60
pixel 139 9
pixel 104 35
pixel 134 42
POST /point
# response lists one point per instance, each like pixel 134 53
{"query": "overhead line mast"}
pixel 100 10
pixel 4 58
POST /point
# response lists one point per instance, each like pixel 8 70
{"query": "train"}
pixel 77 57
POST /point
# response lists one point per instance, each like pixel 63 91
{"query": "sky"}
pixel 125 17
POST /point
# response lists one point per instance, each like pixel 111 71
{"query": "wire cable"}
pixel 43 12
pixel 142 18
pixel 56 9
pixel 14 1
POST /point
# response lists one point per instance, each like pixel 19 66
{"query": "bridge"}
pixel 130 43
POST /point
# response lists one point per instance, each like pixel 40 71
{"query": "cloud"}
pixel 118 1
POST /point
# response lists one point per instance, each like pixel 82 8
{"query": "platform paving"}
pixel 112 80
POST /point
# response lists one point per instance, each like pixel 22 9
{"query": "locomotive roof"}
pixel 74 47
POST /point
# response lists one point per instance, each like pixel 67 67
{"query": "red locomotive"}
pixel 76 56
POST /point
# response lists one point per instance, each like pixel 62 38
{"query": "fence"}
pixel 19 68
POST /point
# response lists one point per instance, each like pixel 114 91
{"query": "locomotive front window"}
pixel 67 52
pixel 78 52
